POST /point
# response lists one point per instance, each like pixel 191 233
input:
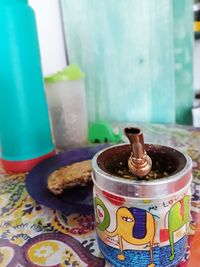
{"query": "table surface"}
pixel 34 235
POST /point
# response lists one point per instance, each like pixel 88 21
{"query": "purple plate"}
pixel 75 200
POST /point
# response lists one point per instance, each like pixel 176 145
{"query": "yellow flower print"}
pixel 18 241
pixel 44 251
pixel 40 252
pixel 19 233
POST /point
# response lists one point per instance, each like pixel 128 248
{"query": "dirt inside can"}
pixel 165 162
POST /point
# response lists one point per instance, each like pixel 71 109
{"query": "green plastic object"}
pixel 24 123
pixel 70 73
pixel 102 132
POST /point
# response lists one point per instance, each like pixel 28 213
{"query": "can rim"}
pixel 139 189
pixel 154 200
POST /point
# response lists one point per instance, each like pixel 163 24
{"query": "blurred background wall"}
pixel 137 55
pixel 54 56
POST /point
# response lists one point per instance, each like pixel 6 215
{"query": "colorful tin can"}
pixel 142 223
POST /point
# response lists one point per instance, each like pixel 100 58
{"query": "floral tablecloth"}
pixel 34 235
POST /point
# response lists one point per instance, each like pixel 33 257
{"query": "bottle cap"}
pixel 70 73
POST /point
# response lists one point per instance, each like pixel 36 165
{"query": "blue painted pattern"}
pixel 139 228
pixel 139 258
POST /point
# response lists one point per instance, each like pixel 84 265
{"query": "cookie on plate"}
pixel 76 174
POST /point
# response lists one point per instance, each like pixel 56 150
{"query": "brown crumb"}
pixel 152 175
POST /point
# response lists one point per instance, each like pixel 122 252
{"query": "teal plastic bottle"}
pixel 25 134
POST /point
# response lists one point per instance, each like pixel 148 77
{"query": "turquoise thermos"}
pixel 25 134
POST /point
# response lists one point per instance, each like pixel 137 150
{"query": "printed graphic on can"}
pixel 142 233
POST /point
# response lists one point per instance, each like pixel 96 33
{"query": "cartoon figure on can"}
pixel 137 226
pixel 134 225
